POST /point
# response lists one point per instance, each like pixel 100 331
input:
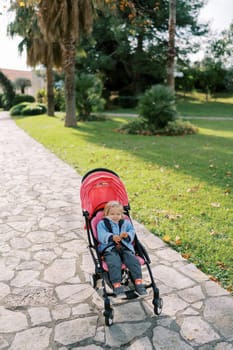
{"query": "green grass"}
pixel 179 187
pixel 195 104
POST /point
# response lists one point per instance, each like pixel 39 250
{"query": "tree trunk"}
pixel 69 71
pixel 171 45
pixel 50 92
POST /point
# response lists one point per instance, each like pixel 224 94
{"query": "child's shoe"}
pixel 118 290
pixel 140 288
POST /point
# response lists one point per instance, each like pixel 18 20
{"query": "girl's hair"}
pixel 112 204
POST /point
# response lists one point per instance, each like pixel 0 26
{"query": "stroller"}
pixel 98 187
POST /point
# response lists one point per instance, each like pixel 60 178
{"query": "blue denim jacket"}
pixel 104 236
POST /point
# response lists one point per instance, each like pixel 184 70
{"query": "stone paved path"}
pixel 46 300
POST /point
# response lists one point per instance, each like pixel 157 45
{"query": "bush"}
pixel 179 127
pixel 33 109
pixel 17 109
pixel 174 128
pixel 23 98
pixel 157 106
pixel 59 100
pixel 88 95
pixel 26 108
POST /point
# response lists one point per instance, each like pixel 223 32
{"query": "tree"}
pixel 171 45
pixel 66 21
pixel 38 50
pixel 132 53
pixel 9 93
pixel 22 83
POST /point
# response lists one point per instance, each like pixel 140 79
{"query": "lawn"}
pixel 179 187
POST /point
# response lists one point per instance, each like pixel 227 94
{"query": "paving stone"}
pixel 32 296
pixel 171 278
pixel 4 290
pixel 197 331
pixel 60 312
pixel 169 255
pixel 39 315
pixel 164 339
pixel 213 289
pixel 173 304
pixel 129 312
pixel 192 295
pixel 74 293
pixel 222 317
pixel 120 334
pixel 73 331
pixel 66 268
pixel 192 271
pixel 141 344
pixel 11 321
pixel 3 343
pixel 34 338
pixel 24 278
pixel 224 346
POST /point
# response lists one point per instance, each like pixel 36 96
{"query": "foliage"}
pixel 41 96
pixel 132 53
pixel 179 187
pixel 173 128
pixel 23 98
pixel 26 108
pixel 179 128
pixel 1 100
pixel 88 95
pixel 9 93
pixel 59 100
pixel 157 106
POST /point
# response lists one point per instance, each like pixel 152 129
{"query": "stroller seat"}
pixel 94 223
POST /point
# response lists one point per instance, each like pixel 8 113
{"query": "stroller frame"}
pixel 100 273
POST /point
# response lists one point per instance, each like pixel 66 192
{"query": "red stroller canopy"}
pixel 100 186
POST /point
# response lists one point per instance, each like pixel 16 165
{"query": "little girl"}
pixel 116 246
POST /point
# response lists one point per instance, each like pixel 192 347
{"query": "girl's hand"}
pixel 124 235
pixel 116 239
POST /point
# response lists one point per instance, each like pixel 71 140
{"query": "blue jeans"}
pixel 116 257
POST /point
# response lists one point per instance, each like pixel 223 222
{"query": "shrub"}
pixel 26 108
pixel 23 98
pixel 59 100
pixel 33 109
pixel 174 128
pixel 179 127
pixel 88 95
pixel 17 109
pixel 157 106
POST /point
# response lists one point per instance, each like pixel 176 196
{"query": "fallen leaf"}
pixel 193 189
pixel 215 205
pixel 186 255
pixel 166 238
pixel 178 240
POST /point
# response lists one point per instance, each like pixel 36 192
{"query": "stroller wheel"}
pixel 109 314
pixel 93 280
pixel 158 305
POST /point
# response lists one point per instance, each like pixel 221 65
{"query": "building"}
pixel 36 81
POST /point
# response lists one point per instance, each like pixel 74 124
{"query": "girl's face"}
pixel 115 214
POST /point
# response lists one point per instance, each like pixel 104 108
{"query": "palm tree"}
pixel 66 20
pixel 171 45
pixel 39 51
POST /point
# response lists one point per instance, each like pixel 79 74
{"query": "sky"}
pixel 218 12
